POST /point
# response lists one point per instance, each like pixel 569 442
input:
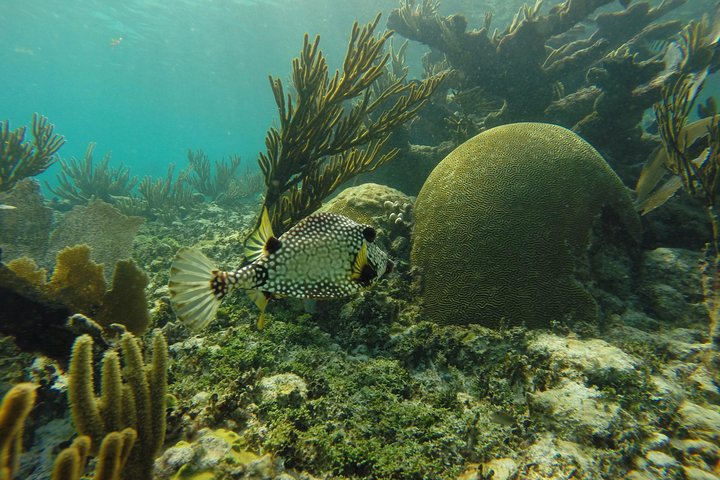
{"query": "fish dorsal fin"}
pixel 261 299
pixel 361 260
pixel 255 244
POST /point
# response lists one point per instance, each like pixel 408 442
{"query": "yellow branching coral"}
pixel 19 158
pixel 138 403
pixel 15 408
pixel 113 454
pixel 322 143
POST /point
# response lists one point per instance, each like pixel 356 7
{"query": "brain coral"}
pixel 501 222
pixel 366 203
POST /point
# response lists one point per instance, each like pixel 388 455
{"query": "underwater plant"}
pixel 81 180
pixel 211 182
pixel 167 198
pixel 690 152
pixel 20 158
pixel 322 142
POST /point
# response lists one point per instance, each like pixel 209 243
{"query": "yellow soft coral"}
pixel 77 281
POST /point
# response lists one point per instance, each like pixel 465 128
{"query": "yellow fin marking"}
pixel 255 244
pixel 360 261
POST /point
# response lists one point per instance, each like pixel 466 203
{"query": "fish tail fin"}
pixel 196 288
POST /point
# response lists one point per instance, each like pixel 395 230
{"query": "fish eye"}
pixel 369 233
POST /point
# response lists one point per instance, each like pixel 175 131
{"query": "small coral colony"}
pixel 505 268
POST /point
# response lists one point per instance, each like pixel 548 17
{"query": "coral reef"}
pixel 166 199
pixel 212 183
pixel 77 286
pixel 24 230
pixel 138 403
pixel 319 145
pixel 552 68
pixel 80 181
pixel 20 158
pixel 385 208
pixel 503 221
pixel 108 232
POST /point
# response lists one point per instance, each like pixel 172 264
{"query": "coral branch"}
pixel 321 143
pixel 19 158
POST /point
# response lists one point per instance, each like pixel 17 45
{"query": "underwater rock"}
pixel 550 458
pixel 579 359
pixel 576 412
pixel 675 267
pixel 108 232
pixel 39 314
pixel 670 286
pixel 702 421
pixel 503 224
pixel 216 454
pixel 284 389
pixel 24 230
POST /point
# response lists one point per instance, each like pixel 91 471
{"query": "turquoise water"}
pixel 184 74
pixel 148 79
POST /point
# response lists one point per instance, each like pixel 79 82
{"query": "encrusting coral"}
pixel 15 408
pixel 322 141
pixel 501 223
pixel 138 403
pixel 19 158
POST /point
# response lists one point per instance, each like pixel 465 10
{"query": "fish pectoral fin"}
pixel 361 260
pixel 261 300
pixel 255 246
pixel 362 271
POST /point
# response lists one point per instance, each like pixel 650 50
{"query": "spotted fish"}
pixel 325 255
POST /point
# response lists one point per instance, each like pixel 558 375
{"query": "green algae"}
pixel 368 415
